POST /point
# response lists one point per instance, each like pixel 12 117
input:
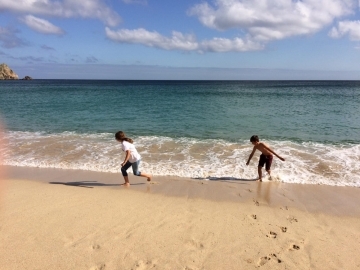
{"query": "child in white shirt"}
pixel 132 158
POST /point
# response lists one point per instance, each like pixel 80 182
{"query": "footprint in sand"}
pixel 295 247
pixel 196 244
pixel 256 202
pixel 292 219
pixel 271 234
pixel 95 247
pixel 264 260
pixel 98 267
pixel 142 265
pixel 284 208
pixel 274 257
pixel 153 183
pixel 253 216
pixel 283 229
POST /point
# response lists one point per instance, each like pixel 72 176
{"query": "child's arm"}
pixel 267 148
pixel 251 155
pixel 126 157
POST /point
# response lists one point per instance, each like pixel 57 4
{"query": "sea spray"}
pixel 306 163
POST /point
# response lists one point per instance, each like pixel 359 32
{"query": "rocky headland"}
pixel 7 73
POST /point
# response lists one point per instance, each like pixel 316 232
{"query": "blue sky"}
pixel 183 39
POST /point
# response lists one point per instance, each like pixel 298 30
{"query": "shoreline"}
pixel 61 219
pixel 334 200
pixel 316 163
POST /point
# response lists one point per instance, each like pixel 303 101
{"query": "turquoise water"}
pixel 201 125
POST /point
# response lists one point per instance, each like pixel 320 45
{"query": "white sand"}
pixel 97 225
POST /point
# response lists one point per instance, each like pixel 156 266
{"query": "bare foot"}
pixel 259 180
pixel 126 184
pixel 149 179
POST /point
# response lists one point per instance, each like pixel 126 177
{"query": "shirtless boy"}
pixel 265 158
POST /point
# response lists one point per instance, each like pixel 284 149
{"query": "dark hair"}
pixel 120 136
pixel 254 138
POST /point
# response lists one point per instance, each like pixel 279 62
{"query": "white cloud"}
pixel 179 41
pixel 226 45
pixel 64 9
pixel 351 28
pixel 266 20
pixel 42 26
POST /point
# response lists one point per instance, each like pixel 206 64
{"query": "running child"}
pixel 132 158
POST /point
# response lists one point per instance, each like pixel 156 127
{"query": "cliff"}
pixel 7 74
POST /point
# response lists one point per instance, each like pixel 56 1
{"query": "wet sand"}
pixel 67 219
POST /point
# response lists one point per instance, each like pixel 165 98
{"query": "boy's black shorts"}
pixel 265 159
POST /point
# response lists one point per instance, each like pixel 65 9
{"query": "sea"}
pixel 192 129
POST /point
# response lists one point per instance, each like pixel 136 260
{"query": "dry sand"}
pixel 58 219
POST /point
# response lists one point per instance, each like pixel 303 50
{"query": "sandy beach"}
pixel 67 219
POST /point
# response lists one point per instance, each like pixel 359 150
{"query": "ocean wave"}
pixel 306 162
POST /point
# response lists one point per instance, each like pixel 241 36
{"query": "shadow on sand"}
pixel 225 178
pixel 89 184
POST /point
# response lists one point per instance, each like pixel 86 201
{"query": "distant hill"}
pixel 7 73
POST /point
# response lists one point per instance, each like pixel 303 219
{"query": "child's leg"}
pixel 127 183
pixel 124 172
pixel 260 173
pixel 135 167
pixel 148 176
pixel 269 172
pixel 262 161
pixel 268 165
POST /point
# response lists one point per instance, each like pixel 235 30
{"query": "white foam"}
pixel 307 163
